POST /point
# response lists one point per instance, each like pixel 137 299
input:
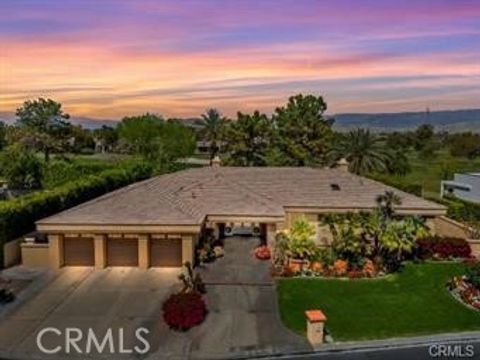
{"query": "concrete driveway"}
pixel 243 318
pixel 82 298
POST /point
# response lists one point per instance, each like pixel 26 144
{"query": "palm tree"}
pixel 213 123
pixel 386 203
pixel 364 151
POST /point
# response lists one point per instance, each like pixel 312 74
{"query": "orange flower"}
pixel 340 267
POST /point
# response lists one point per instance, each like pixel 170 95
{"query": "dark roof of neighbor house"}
pixel 187 197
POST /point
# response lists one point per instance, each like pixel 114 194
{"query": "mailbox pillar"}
pixel 315 326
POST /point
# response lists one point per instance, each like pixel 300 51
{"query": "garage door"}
pixel 122 252
pixel 78 251
pixel 166 252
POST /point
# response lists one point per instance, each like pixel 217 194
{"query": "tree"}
pixel 247 140
pixel 386 203
pixel 364 151
pixel 3 135
pixel 213 126
pixel 140 133
pixel 21 168
pixel 175 141
pixel 423 135
pixel 43 121
pixel 397 162
pixel 301 134
pixel 465 145
pixel 155 139
pixel 81 139
pixel 105 137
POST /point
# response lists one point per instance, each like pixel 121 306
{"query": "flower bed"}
pixel 465 292
pixel 263 252
pixel 183 311
pixel 339 269
pixel 436 247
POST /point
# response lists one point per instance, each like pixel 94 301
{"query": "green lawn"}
pixel 413 302
pixel 429 172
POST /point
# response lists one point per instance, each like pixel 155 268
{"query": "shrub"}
pixel 368 268
pixel 355 274
pixel 443 248
pixel 473 274
pixel 184 310
pixel 301 244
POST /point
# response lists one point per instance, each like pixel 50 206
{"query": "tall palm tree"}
pixel 213 123
pixel 364 151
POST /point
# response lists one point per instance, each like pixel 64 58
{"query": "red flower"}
pixel 184 310
pixel 263 252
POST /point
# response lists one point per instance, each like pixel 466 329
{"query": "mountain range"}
pixel 448 120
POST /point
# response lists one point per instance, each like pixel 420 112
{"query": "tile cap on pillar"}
pixel 315 316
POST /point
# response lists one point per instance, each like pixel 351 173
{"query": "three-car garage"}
pixel 131 250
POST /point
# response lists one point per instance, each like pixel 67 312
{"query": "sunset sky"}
pixel 110 58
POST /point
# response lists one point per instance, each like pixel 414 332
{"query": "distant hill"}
pixel 452 120
pixel 86 122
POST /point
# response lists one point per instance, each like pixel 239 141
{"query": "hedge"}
pixel 18 216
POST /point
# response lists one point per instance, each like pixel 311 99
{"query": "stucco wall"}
pixel 11 253
pixel 445 226
pixel 35 255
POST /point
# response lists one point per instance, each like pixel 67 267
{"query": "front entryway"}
pixel 78 251
pixel 122 252
pixel 166 252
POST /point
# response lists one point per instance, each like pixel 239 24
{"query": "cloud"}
pixel 110 58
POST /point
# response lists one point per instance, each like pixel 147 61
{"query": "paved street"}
pixel 411 353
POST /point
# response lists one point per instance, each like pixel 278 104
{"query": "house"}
pixel 158 222
pixel 463 186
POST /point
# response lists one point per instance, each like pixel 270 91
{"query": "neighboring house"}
pixel 203 147
pixel 463 186
pixel 157 222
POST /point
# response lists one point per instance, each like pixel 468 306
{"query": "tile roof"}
pixel 187 197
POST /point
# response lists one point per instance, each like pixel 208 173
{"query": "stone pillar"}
pixel 144 251
pixel 188 248
pixel 55 249
pixel 315 326
pixel 100 250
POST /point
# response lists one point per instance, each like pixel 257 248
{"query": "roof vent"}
pixel 335 187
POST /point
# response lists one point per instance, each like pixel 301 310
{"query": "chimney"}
pixel 342 164
pixel 216 161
